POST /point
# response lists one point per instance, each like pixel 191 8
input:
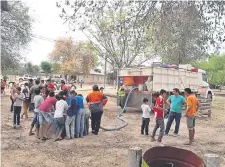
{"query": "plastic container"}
pixel 170 157
pixel 128 81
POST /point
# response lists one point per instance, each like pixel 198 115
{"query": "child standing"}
pixel 45 114
pixel 18 101
pixel 80 117
pixel 61 107
pixel 26 100
pixel 159 116
pixel 86 121
pixel 70 119
pixel 38 100
pixel 145 116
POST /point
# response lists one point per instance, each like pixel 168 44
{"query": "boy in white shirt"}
pixel 145 116
pixel 61 107
pixel 18 99
pixel 38 100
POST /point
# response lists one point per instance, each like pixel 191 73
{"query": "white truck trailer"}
pixel 150 80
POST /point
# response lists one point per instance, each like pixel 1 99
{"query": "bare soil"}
pixel 108 148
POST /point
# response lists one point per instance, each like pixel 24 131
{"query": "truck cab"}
pixel 204 89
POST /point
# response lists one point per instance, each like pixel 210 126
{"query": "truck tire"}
pixel 21 80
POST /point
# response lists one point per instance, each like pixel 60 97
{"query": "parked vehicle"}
pixel 25 78
pixel 150 80
pixel 58 80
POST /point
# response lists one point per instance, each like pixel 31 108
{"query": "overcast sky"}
pixel 47 24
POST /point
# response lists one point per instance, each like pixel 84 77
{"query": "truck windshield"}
pixel 204 77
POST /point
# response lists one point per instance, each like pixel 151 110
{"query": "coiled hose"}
pixel 125 123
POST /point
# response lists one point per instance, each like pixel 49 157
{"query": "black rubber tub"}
pixel 170 157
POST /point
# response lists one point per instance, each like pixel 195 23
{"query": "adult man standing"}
pixel 176 102
pixel 95 102
pixel 192 108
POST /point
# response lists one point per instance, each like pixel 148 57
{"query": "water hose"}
pixel 125 123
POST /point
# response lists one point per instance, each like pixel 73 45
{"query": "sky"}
pixel 47 24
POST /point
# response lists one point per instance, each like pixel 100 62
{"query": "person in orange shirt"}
pixel 192 108
pixel 96 100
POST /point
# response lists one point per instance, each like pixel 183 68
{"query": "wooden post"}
pixel 134 157
pixel 212 160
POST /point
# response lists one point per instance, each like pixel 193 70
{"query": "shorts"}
pixel 31 107
pixel 45 117
pixel 35 121
pixel 190 122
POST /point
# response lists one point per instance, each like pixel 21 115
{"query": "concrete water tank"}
pixel 170 157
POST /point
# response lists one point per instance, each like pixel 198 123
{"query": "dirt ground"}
pixel 108 148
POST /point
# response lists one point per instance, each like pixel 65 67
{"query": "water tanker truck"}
pixel 150 80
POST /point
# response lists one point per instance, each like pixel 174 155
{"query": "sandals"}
pixel 30 134
pixel 45 138
pixel 58 139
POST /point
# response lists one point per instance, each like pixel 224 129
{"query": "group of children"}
pixel 63 114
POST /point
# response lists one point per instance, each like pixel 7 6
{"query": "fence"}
pixel 205 106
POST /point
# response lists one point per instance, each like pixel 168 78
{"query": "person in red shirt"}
pixel 3 85
pixel 45 114
pixel 159 116
pixel 51 86
pixel 64 86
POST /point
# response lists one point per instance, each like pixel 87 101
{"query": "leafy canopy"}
pixel 15 33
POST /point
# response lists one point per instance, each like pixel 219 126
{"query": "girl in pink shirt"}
pixel 45 114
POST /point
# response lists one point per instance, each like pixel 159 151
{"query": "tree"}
pixel 55 67
pixel 73 58
pixel 29 68
pixel 215 68
pixel 163 22
pixel 180 40
pixel 46 67
pixel 15 33
pixel 184 31
pixel 117 37
pixel 36 70
pixel 4 6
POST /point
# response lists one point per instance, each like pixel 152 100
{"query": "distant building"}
pixel 91 78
